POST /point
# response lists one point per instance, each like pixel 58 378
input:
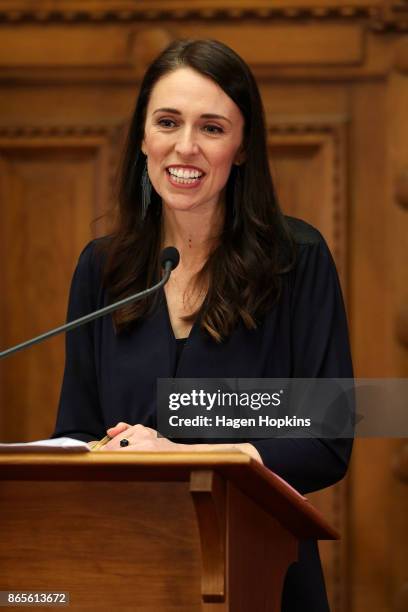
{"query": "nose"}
pixel 186 144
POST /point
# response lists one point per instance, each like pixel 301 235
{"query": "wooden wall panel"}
pixel 308 165
pixel 52 187
pixel 316 44
pixel 309 174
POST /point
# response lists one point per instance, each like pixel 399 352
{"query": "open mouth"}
pixel 185 176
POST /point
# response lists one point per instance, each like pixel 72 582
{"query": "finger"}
pixel 114 444
pixel 132 435
pixel 136 432
pixel 117 429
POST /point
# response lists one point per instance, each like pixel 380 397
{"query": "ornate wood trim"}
pixel 380 16
pixel 50 131
pixel 333 128
pixel 392 17
pixel 175 10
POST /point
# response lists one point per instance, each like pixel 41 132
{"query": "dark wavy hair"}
pixel 255 248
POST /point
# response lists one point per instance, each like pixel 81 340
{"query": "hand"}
pixel 140 438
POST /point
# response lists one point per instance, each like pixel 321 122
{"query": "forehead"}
pixel 186 90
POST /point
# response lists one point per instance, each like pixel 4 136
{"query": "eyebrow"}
pixel 174 111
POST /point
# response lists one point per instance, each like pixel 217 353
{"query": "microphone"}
pixel 169 257
pixel 169 260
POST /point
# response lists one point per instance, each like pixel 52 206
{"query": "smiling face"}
pixel 193 135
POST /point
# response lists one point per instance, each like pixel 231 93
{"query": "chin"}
pixel 181 206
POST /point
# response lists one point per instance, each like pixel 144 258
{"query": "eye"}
pixel 166 123
pixel 213 129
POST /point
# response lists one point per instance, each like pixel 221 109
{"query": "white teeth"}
pixel 184 173
pixel 184 181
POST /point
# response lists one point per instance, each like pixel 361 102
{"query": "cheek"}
pixel 155 146
pixel 223 160
pixel 225 157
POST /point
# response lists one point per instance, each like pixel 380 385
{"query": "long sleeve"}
pixel 320 349
pixel 79 414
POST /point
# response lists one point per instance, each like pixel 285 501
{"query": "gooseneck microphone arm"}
pixel 169 260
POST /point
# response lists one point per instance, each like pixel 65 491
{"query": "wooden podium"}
pixel 151 532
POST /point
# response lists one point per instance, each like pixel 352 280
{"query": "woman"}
pixel 255 294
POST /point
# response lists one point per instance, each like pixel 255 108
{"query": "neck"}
pixel 195 234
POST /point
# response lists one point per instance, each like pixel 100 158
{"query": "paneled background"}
pixel 334 80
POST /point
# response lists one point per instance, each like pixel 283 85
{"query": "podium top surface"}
pixel 264 487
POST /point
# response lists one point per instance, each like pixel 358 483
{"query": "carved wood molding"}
pixel 333 129
pixel 174 10
pixel 392 17
pixel 105 140
pixel 50 131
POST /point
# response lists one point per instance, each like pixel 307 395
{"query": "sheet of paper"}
pixel 56 445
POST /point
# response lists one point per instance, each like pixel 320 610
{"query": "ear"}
pixel 240 156
pixel 143 147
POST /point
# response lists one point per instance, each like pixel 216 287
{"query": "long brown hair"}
pixel 244 271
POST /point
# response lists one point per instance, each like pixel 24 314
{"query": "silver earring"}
pixel 146 192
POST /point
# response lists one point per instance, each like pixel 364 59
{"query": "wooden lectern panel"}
pixel 105 543
pixel 259 554
pixel 152 532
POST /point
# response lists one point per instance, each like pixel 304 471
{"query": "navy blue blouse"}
pixel 110 378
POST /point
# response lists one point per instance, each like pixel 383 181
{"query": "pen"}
pixel 99 443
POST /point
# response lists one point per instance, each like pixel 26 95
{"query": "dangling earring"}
pixel 237 189
pixel 146 192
